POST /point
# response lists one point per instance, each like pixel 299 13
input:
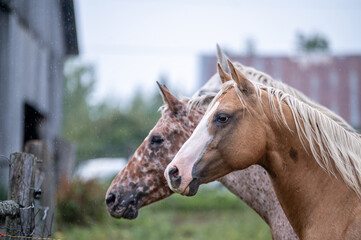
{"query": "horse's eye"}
pixel 222 118
pixel 156 140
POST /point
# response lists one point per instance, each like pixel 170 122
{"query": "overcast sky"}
pixel 132 43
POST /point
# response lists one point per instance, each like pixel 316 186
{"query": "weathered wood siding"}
pixel 32 53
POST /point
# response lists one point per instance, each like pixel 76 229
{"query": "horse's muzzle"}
pixel 175 182
pixel 122 206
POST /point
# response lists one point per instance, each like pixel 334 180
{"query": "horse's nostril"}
pixel 175 179
pixel 110 199
pixel 173 172
pixel 132 201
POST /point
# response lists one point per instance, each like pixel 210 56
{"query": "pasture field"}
pixel 212 214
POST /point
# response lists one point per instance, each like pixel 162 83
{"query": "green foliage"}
pixel 80 202
pixel 313 43
pixel 102 130
pixel 211 214
pixel 217 199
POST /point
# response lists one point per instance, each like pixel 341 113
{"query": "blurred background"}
pixel 80 76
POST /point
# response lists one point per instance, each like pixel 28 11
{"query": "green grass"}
pixel 212 214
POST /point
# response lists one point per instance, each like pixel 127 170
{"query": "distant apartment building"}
pixel 333 81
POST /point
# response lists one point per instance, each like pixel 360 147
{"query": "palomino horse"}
pixel 314 164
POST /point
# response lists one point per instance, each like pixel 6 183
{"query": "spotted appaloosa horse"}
pixel 141 182
pixel 313 162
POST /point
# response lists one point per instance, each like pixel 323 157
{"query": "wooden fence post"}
pixel 44 197
pixel 64 158
pixel 21 184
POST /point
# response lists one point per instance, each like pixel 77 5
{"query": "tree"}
pixel 250 47
pixel 314 43
pixel 79 84
pixel 102 130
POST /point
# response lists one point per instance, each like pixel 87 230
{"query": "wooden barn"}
pixel 36 36
pixel 333 81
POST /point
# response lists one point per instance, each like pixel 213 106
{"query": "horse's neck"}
pixel 253 186
pixel 310 197
pixel 196 115
pixel 213 85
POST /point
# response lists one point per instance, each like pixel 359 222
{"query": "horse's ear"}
pixel 242 82
pixel 222 74
pixel 169 99
pixel 222 59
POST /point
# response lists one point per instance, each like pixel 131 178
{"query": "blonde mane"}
pixel 329 142
pixel 192 103
pixel 265 79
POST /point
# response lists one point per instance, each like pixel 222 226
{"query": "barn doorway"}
pixel 33 124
